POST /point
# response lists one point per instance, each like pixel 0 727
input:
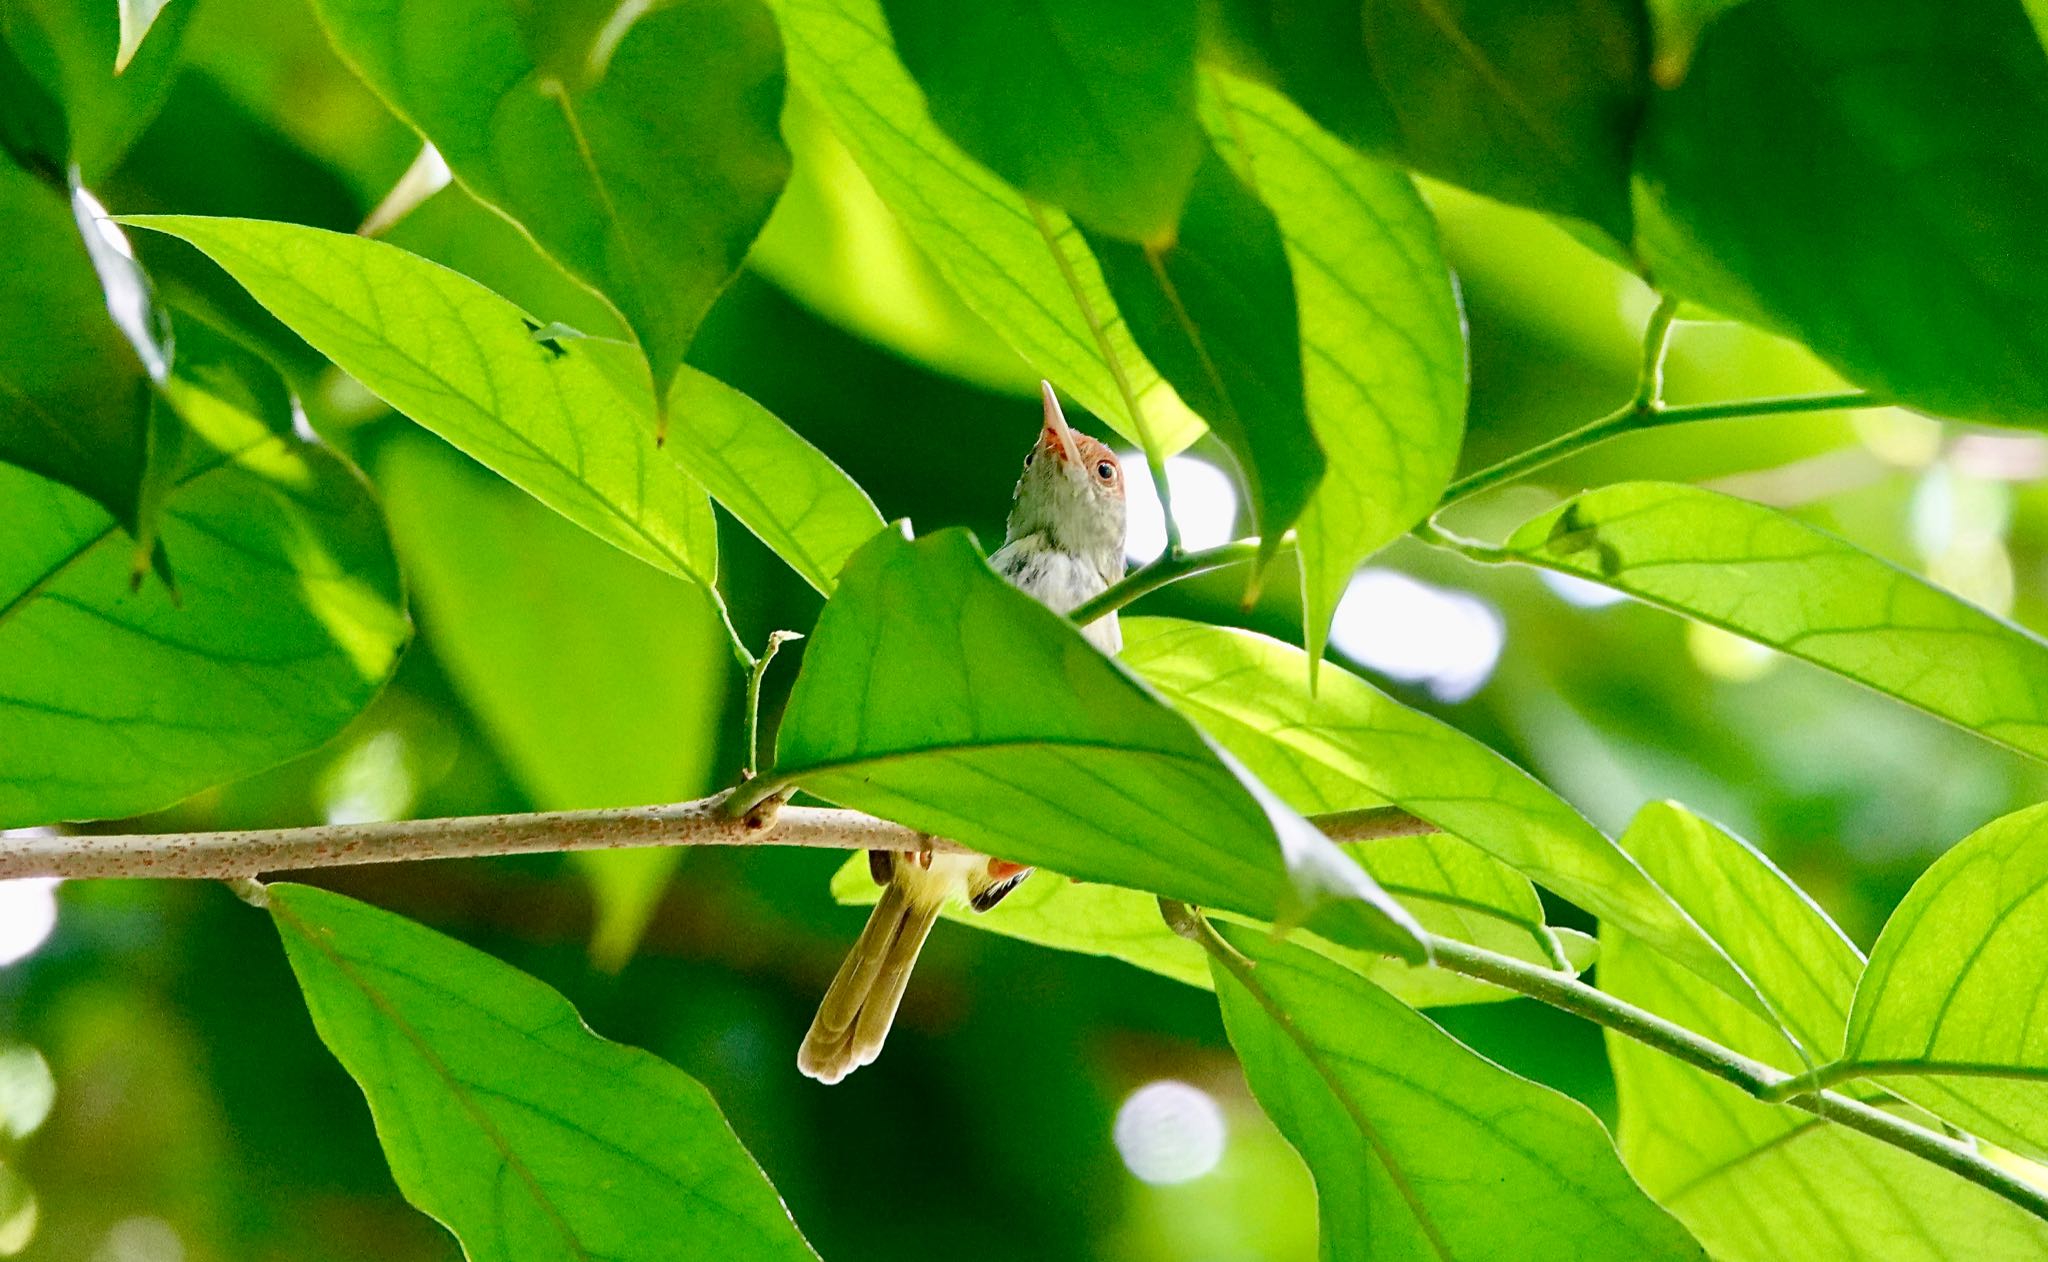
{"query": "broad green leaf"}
pixel 1764 1183
pixel 505 1118
pixel 287 620
pixel 1760 574
pixel 780 487
pixel 1822 158
pixel 137 17
pixel 1214 309
pixel 937 695
pixel 1802 963
pixel 74 396
pixel 1955 987
pixel 1382 336
pixel 561 420
pixel 1022 268
pixel 1420 1147
pixel 1084 105
pixel 642 154
pixel 1053 911
pixel 69 49
pixel 600 681
pixel 1534 105
pixel 1346 736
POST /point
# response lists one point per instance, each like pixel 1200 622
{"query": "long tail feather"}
pixel 854 1017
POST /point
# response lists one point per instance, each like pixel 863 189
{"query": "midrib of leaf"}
pixel 1447 899
pixel 1473 56
pixel 456 1087
pixel 1096 329
pixel 1246 977
pixel 559 93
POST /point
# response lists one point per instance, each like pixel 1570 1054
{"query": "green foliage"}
pixel 505 1118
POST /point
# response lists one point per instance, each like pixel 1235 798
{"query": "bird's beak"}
pixel 1056 426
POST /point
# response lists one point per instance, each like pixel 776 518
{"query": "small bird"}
pixel 1064 544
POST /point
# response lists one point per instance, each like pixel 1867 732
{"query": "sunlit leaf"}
pixel 287 620
pixel 1760 574
pixel 1421 1148
pixel 559 419
pixel 937 695
pixel 137 17
pixel 1214 309
pixel 505 1118
pixel 1955 985
pixel 1763 193
pixel 1382 338
pixel 1024 269
pixel 1084 105
pixel 647 180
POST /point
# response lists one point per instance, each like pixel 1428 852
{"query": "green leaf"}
pixel 1215 310
pixel 1536 106
pixel 1084 105
pixel 1955 983
pixel 1346 738
pixel 137 17
pixel 70 48
pixel 937 695
pixel 288 617
pixel 505 1118
pixel 1420 1147
pixel 1763 1183
pixel 74 396
pixel 600 681
pixel 780 487
pixel 1054 911
pixel 1382 336
pixel 564 422
pixel 643 178
pixel 1822 158
pixel 1760 574
pixel 1022 268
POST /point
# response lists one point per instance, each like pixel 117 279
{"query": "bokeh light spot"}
pixel 28 912
pixel 1204 503
pixel 1446 640
pixel 1170 1132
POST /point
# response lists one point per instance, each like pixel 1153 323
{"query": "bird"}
pixel 1064 544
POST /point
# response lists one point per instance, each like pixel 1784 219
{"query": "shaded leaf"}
pixel 1955 987
pixel 288 617
pixel 1531 105
pixel 505 1118
pixel 563 422
pixel 1215 311
pixel 1087 106
pixel 1347 737
pixel 70 48
pixel 643 156
pixel 937 695
pixel 1420 1147
pixel 599 681
pixel 1760 574
pixel 1757 195
pixel 1382 336
pixel 1023 269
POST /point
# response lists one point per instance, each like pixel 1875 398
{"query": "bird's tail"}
pixel 854 1017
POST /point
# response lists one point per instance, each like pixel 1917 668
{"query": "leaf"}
pixel 1760 574
pixel 1054 911
pixel 1214 309
pixel 1023 269
pixel 1087 106
pixel 1760 1182
pixel 937 695
pixel 1347 737
pixel 69 49
pixel 1533 106
pixel 288 618
pixel 1955 985
pixel 1382 336
pixel 137 17
pixel 562 422
pixel 505 1118
pixel 786 491
pixel 1756 193
pixel 599 681
pixel 74 396
pixel 1420 1147
pixel 643 178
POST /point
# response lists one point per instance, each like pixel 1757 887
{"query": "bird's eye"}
pixel 1106 471
pixel 1028 456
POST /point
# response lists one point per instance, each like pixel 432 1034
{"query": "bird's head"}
pixel 1072 490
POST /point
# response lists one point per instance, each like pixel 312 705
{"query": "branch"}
pixel 703 822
